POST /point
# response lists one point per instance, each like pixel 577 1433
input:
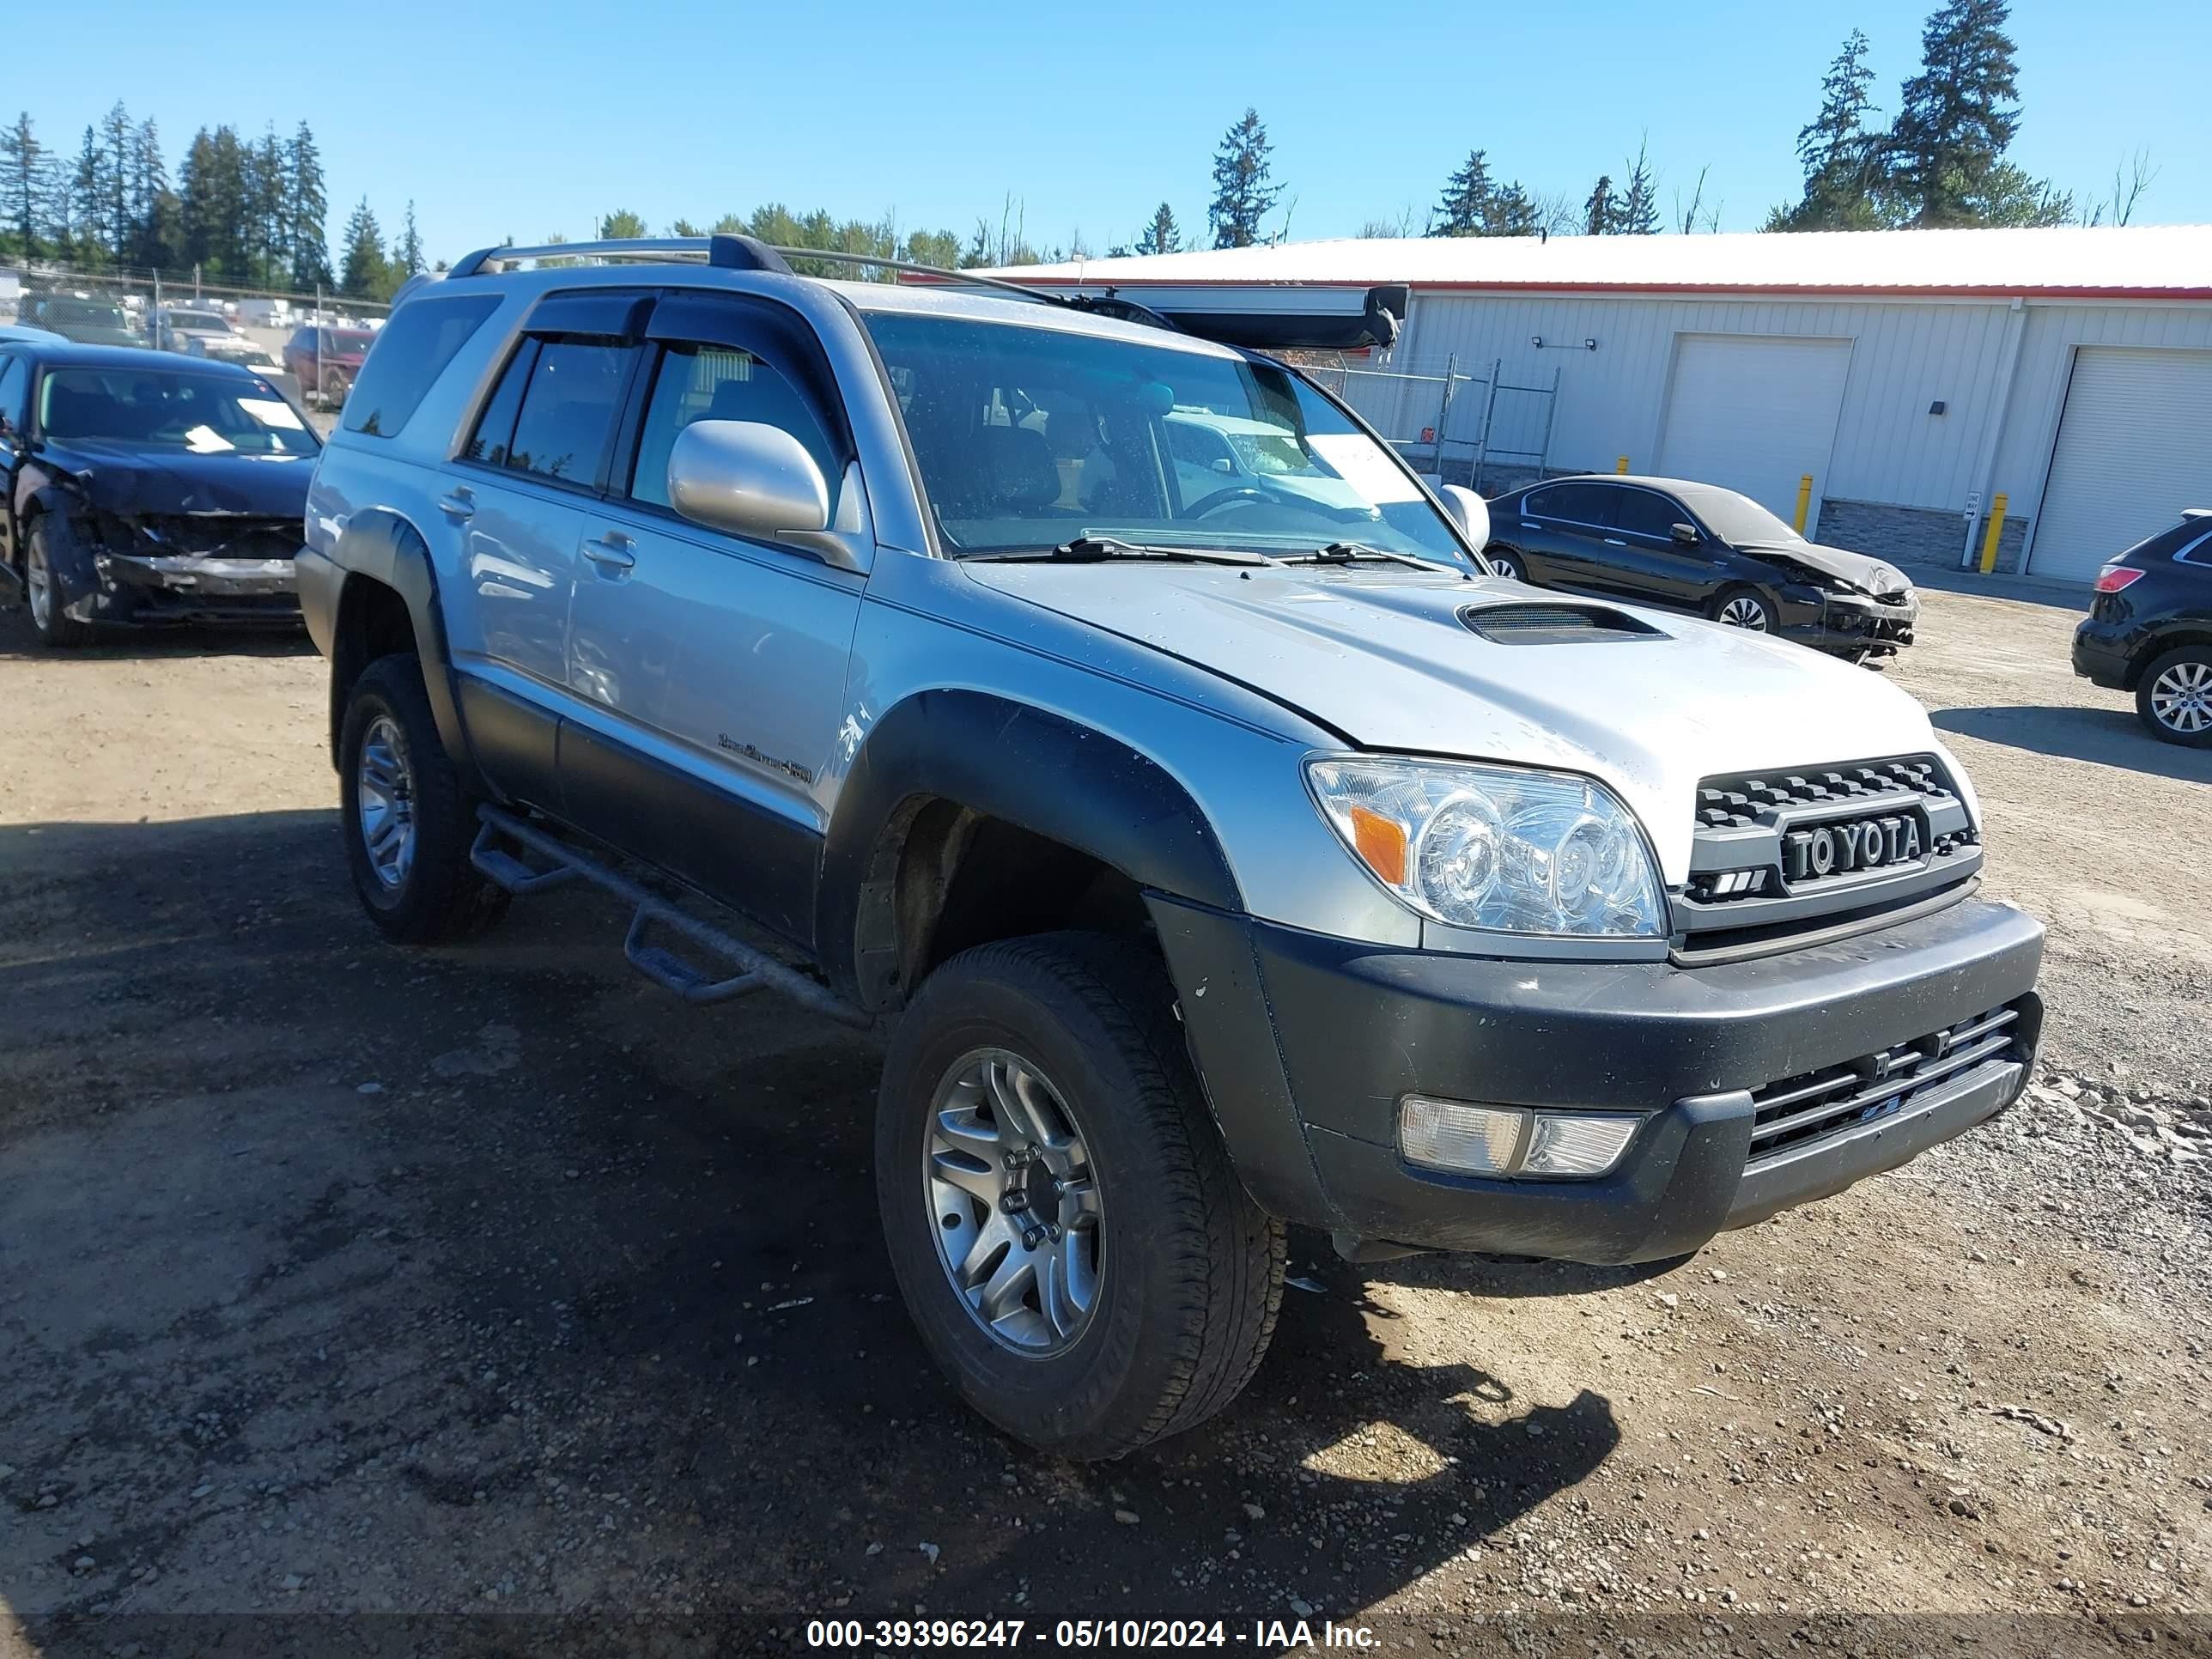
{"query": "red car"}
pixel 325 361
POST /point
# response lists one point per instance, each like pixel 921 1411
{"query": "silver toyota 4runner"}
pixel 1232 848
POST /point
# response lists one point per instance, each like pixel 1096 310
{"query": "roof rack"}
pixel 732 252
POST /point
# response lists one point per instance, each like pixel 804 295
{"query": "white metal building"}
pixel 1915 375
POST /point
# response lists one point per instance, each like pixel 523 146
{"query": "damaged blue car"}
pixel 139 488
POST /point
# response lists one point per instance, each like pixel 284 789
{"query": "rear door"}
pixel 517 506
pixel 1561 530
pixel 708 669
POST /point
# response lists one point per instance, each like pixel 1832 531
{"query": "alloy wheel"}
pixel 2181 698
pixel 1746 612
pixel 40 583
pixel 1505 567
pixel 385 803
pixel 1011 1186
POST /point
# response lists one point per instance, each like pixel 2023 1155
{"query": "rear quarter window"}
pixel 411 352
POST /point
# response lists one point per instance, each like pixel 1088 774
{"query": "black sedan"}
pixel 1697 547
pixel 2149 629
pixel 136 487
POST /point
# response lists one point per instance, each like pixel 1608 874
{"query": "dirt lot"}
pixel 491 1288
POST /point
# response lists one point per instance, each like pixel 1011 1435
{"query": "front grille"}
pixel 1798 1110
pixel 1796 851
pixel 221 535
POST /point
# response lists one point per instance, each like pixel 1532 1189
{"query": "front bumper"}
pixel 1307 1087
pixel 1849 625
pixel 131 587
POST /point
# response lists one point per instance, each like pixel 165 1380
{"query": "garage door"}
pixel 1755 415
pixel 2135 447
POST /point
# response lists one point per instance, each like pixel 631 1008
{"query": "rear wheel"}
pixel 408 823
pixel 1507 563
pixel 1746 608
pixel 43 593
pixel 1070 1238
pixel 2174 696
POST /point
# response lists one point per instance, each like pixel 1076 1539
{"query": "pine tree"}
pixel 1638 211
pixel 23 180
pixel 1512 213
pixel 366 274
pixel 1958 116
pixel 305 205
pixel 117 147
pixel 1842 154
pixel 1465 209
pixel 622 225
pixel 154 206
pixel 407 247
pixel 1162 234
pixel 88 210
pixel 1243 192
pixel 1601 213
pixel 215 209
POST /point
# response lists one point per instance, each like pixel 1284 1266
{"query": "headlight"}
pixel 1496 848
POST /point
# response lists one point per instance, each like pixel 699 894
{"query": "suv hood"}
pixel 1385 657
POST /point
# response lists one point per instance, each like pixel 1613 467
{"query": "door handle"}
pixel 1525 525
pixel 458 506
pixel 612 552
pixel 1615 541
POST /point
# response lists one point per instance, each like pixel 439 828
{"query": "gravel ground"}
pixel 484 1300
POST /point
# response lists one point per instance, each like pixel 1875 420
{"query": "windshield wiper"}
pixel 1095 550
pixel 1345 552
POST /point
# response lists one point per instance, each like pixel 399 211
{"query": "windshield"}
pixel 205 322
pixel 1737 519
pixel 347 342
pixel 201 414
pixel 1030 437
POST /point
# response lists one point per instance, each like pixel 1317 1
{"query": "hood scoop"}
pixel 1555 624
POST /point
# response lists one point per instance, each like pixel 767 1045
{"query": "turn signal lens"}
pixel 1585 1145
pixel 1380 842
pixel 2114 577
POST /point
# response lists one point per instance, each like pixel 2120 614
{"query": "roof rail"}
pixel 747 253
pixel 727 251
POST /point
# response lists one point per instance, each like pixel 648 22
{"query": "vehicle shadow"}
pixel 472 1251
pixel 285 638
pixel 2108 737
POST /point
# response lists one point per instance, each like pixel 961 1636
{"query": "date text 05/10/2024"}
pixel 1262 1635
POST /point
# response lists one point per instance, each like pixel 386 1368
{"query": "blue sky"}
pixel 501 118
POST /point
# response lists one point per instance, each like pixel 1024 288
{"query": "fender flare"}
pixel 379 545
pixel 1011 761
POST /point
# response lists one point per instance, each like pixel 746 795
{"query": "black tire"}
pixel 440 895
pixel 1508 563
pixel 1740 595
pixel 2186 672
pixel 56 631
pixel 1190 1274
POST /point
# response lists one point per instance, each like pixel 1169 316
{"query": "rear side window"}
pixel 14 381
pixel 411 351
pixel 2199 550
pixel 1576 502
pixel 568 409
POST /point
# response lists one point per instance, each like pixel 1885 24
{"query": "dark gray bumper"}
pixel 1306 1045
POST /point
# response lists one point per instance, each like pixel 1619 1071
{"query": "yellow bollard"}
pixel 1804 500
pixel 1989 539
pixel 1621 465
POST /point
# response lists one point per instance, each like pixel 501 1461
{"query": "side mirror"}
pixel 1685 535
pixel 746 478
pixel 1469 510
pixel 1223 464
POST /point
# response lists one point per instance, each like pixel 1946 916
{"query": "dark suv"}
pixel 2149 629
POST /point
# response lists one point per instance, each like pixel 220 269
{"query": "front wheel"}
pixel 1070 1240
pixel 57 630
pixel 2174 696
pixel 1746 608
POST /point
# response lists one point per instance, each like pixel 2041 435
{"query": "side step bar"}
pixel 504 867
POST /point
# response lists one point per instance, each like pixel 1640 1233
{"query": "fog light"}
pixel 1450 1134
pixel 1585 1144
pixel 1506 1140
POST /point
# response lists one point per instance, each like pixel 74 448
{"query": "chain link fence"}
pixel 1463 423
pixel 313 341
